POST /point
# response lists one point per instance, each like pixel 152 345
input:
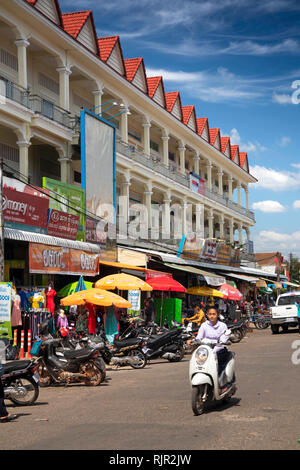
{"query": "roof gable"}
pixel 80 25
pixel 189 117
pixel 156 90
pixel 235 154
pixel 244 161
pixel 111 52
pixel 225 146
pixel 173 104
pixel 203 128
pixel 215 138
pixel 135 73
pixel 49 8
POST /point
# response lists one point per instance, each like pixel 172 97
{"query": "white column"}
pixel 97 100
pixel 165 141
pixel 199 221
pixel 124 206
pixel 124 125
pixel 147 201
pixel 247 197
pixel 65 164
pixel 182 159
pixel 221 222
pixel 24 157
pixel 147 126
pixel 239 194
pixel 209 176
pixel 220 178
pixel 166 219
pixel 64 87
pixel 240 234
pixel 211 224
pixel 184 216
pixel 231 233
pixel 230 181
pixel 196 159
pixel 22 45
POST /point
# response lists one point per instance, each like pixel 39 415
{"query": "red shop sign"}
pixel 23 208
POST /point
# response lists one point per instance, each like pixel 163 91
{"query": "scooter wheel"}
pixel 179 355
pixel 236 336
pixel 198 405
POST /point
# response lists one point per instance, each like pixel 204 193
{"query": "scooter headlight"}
pixel 201 355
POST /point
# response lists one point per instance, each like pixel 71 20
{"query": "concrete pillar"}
pixel 24 157
pixel 221 222
pixel 147 126
pixel 230 181
pixel 147 202
pixel 199 221
pixel 65 164
pixel 209 176
pixel 166 219
pixel 182 159
pixel 64 87
pixel 97 100
pixel 211 224
pixel 239 194
pixel 165 141
pixel 231 232
pixel 22 45
pixel 220 181
pixel 240 234
pixel 124 125
pixel 247 197
pixel 196 159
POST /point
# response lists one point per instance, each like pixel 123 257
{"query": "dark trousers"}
pixel 299 324
pixel 3 410
pixel 223 357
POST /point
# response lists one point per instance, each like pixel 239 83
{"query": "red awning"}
pixel 164 283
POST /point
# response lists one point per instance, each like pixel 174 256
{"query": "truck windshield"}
pixel 289 300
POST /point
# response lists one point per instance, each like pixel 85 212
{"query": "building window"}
pixel 154 146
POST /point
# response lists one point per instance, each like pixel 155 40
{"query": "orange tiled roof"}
pixel 224 142
pixel 73 22
pixel 32 2
pixel 186 113
pixel 106 46
pixel 243 157
pixel 213 135
pixel 153 83
pixel 201 123
pixel 131 67
pixel 171 98
pixel 233 150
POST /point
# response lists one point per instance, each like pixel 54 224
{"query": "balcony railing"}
pixel 153 163
pixel 12 91
pixel 50 110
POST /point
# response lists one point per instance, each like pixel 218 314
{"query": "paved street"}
pixel 151 408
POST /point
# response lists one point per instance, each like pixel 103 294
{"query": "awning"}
pixel 22 235
pixel 211 278
pixel 243 277
pixel 290 283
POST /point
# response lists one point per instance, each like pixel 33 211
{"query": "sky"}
pixel 237 62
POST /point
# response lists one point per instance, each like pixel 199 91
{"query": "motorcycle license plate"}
pixel 36 378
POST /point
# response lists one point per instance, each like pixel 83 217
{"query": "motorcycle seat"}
pixel 123 343
pixel 15 365
pixel 76 353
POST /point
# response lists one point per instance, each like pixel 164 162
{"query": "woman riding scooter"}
pixel 214 330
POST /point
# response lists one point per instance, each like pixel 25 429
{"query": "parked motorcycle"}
pixel 60 365
pixel 207 385
pixel 167 345
pixel 20 381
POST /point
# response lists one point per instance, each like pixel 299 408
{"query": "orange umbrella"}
pixel 97 297
pixel 123 282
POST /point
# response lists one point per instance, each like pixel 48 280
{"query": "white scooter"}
pixel 207 385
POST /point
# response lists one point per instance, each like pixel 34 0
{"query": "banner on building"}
pixel 209 251
pixel 197 184
pixel 48 259
pixel 5 309
pixel 61 224
pixel 192 249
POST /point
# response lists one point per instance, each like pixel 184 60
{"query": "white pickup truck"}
pixel 285 312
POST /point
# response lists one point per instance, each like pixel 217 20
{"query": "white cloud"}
pixel 296 204
pixel 282 98
pixel 275 180
pixel 268 206
pixel 271 240
pixel 284 141
pixel 248 147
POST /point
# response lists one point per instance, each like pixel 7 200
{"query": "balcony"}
pixel 11 91
pixel 50 110
pixel 154 163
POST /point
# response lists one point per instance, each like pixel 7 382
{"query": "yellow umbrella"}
pixel 96 297
pixel 122 282
pixel 204 291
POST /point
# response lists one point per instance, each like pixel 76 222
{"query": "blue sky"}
pixel 237 62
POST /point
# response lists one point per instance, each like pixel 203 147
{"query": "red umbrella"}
pixel 165 283
pixel 231 292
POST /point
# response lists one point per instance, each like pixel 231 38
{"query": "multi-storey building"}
pixel 53 65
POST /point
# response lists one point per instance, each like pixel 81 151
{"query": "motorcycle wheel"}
pixel 44 376
pixel 94 375
pixel 236 336
pixel 179 355
pixel 137 353
pixel 28 391
pixel 261 324
pixel 198 406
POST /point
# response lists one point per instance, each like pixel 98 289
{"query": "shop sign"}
pixel 134 297
pixel 68 199
pixel 192 249
pixel 223 254
pixel 209 252
pixel 23 210
pixel 197 184
pixel 59 260
pixel 5 309
pixel 61 224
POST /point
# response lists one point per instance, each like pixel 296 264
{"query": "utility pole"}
pixel 1 222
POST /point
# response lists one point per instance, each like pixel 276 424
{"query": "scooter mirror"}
pixel 227 333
